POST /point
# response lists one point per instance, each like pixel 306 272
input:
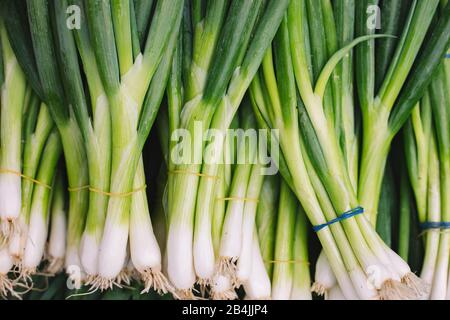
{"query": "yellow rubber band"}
pixel 109 194
pixel 193 174
pixel 16 173
pixel 288 261
pixel 238 199
pixel 78 189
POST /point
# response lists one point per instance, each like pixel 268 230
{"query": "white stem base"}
pixel 113 251
pixel 180 265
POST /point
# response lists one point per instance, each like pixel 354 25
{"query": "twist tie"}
pixel 344 216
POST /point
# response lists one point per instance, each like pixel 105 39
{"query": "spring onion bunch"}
pixel 41 203
pixel 134 82
pixel 313 138
pixel 226 48
pixel 332 81
pixel 380 120
pixel 266 219
pixel 11 106
pixel 31 162
pixel 426 146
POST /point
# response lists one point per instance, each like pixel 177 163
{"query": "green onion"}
pixel 127 82
pixel 321 149
pixel 387 206
pixel 13 92
pixel 38 125
pixel 6 264
pixel 45 80
pixel 245 176
pixel 301 284
pixel 96 134
pixel 440 100
pixel 405 222
pixel 288 126
pixel 266 218
pixel 324 279
pixel 244 265
pixel 317 90
pixel 158 210
pixel 427 137
pixel 258 286
pixel 377 134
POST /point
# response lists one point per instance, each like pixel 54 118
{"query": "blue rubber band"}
pixel 344 216
pixel 447 55
pixel 435 225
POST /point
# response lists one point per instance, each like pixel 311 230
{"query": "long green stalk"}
pixel 40 208
pixel 377 118
pixel 198 113
pixel 347 128
pixel 266 219
pixel 405 224
pixel 45 80
pixel 56 247
pixel 322 145
pixel 243 176
pixel 13 92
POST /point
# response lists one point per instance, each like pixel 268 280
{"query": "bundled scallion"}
pixel 13 94
pixel 56 246
pixel 228 44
